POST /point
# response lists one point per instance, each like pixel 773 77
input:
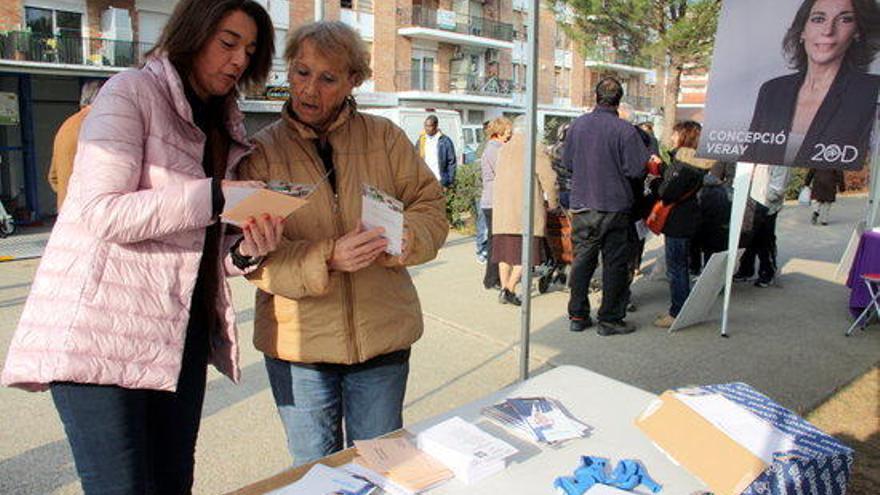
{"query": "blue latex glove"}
pixel 627 475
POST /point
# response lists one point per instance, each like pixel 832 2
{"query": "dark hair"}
pixel 609 92
pixel 334 40
pixel 688 134
pixel 194 22
pixel 862 49
pixel 647 126
pixel 432 119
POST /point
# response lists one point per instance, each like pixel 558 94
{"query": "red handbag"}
pixel 660 213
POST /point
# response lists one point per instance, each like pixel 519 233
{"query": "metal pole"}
pixel 741 185
pixel 529 186
pixel 319 10
pixel 872 162
pixel 28 144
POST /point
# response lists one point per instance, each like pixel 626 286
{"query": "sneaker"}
pixel 824 223
pixel 763 284
pixel 814 218
pixel 631 308
pixel 664 321
pixel 738 277
pixel 579 324
pixel 619 327
pixel 482 259
pixel 508 297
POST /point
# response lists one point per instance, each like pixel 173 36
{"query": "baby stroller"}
pixel 557 250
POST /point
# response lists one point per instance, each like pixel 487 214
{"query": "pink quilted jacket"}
pixel 110 301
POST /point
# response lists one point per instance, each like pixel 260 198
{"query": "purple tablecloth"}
pixel 867 260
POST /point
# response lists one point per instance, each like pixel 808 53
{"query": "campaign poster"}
pixel 794 83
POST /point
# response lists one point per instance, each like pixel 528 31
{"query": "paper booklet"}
pixel 471 453
pixel 325 480
pixel 537 419
pixel 379 209
pixel 244 202
pixel 396 465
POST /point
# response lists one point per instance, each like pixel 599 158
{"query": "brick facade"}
pixel 579 87
pixel 546 57
pixel 11 12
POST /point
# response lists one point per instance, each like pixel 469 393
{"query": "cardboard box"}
pixel 725 453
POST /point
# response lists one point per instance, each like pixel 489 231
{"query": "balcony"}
pixel 21 46
pixel 610 59
pixel 444 86
pixel 447 26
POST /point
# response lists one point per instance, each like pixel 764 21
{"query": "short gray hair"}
pixel 89 91
pixel 335 40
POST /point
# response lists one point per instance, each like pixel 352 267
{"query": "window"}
pixel 563 80
pixel 476 117
pixel 51 22
pixel 346 4
pixel 39 21
pixel 56 35
pixel 422 74
pixel 561 38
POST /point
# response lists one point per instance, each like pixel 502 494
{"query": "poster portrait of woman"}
pixel 822 114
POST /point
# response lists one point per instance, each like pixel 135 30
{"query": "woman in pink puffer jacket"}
pixel 129 303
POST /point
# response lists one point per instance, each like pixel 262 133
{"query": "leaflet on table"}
pixel 538 419
pixel 459 440
pixel 397 462
pixel 325 480
pixel 244 202
pixel 379 209
pixel 758 436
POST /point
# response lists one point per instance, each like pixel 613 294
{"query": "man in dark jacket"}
pixel 605 155
pixel 438 152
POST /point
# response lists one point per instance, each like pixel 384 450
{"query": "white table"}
pixel 609 406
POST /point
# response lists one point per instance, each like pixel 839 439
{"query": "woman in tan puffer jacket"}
pixel 335 314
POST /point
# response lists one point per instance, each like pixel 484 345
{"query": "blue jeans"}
pixel 134 441
pixel 482 237
pixel 677 272
pixel 312 401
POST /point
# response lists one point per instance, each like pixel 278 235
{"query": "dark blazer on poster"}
pixel 844 118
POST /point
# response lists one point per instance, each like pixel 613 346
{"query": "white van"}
pixel 412 121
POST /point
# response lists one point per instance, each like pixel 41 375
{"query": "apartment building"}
pixel 464 55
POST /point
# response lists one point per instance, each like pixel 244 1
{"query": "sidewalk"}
pixel 786 342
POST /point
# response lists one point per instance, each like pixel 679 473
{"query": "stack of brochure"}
pixel 397 466
pixel 471 453
pixel 537 419
pixel 323 479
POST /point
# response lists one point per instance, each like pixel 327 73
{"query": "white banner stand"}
pixel 741 184
pixel 704 294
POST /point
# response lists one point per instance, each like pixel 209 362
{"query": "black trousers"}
pixel 761 245
pixel 611 234
pixel 136 441
pixel 491 278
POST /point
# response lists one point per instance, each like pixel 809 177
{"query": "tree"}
pixel 676 34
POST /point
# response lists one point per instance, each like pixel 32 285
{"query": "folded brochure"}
pixel 242 203
pixel 379 209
